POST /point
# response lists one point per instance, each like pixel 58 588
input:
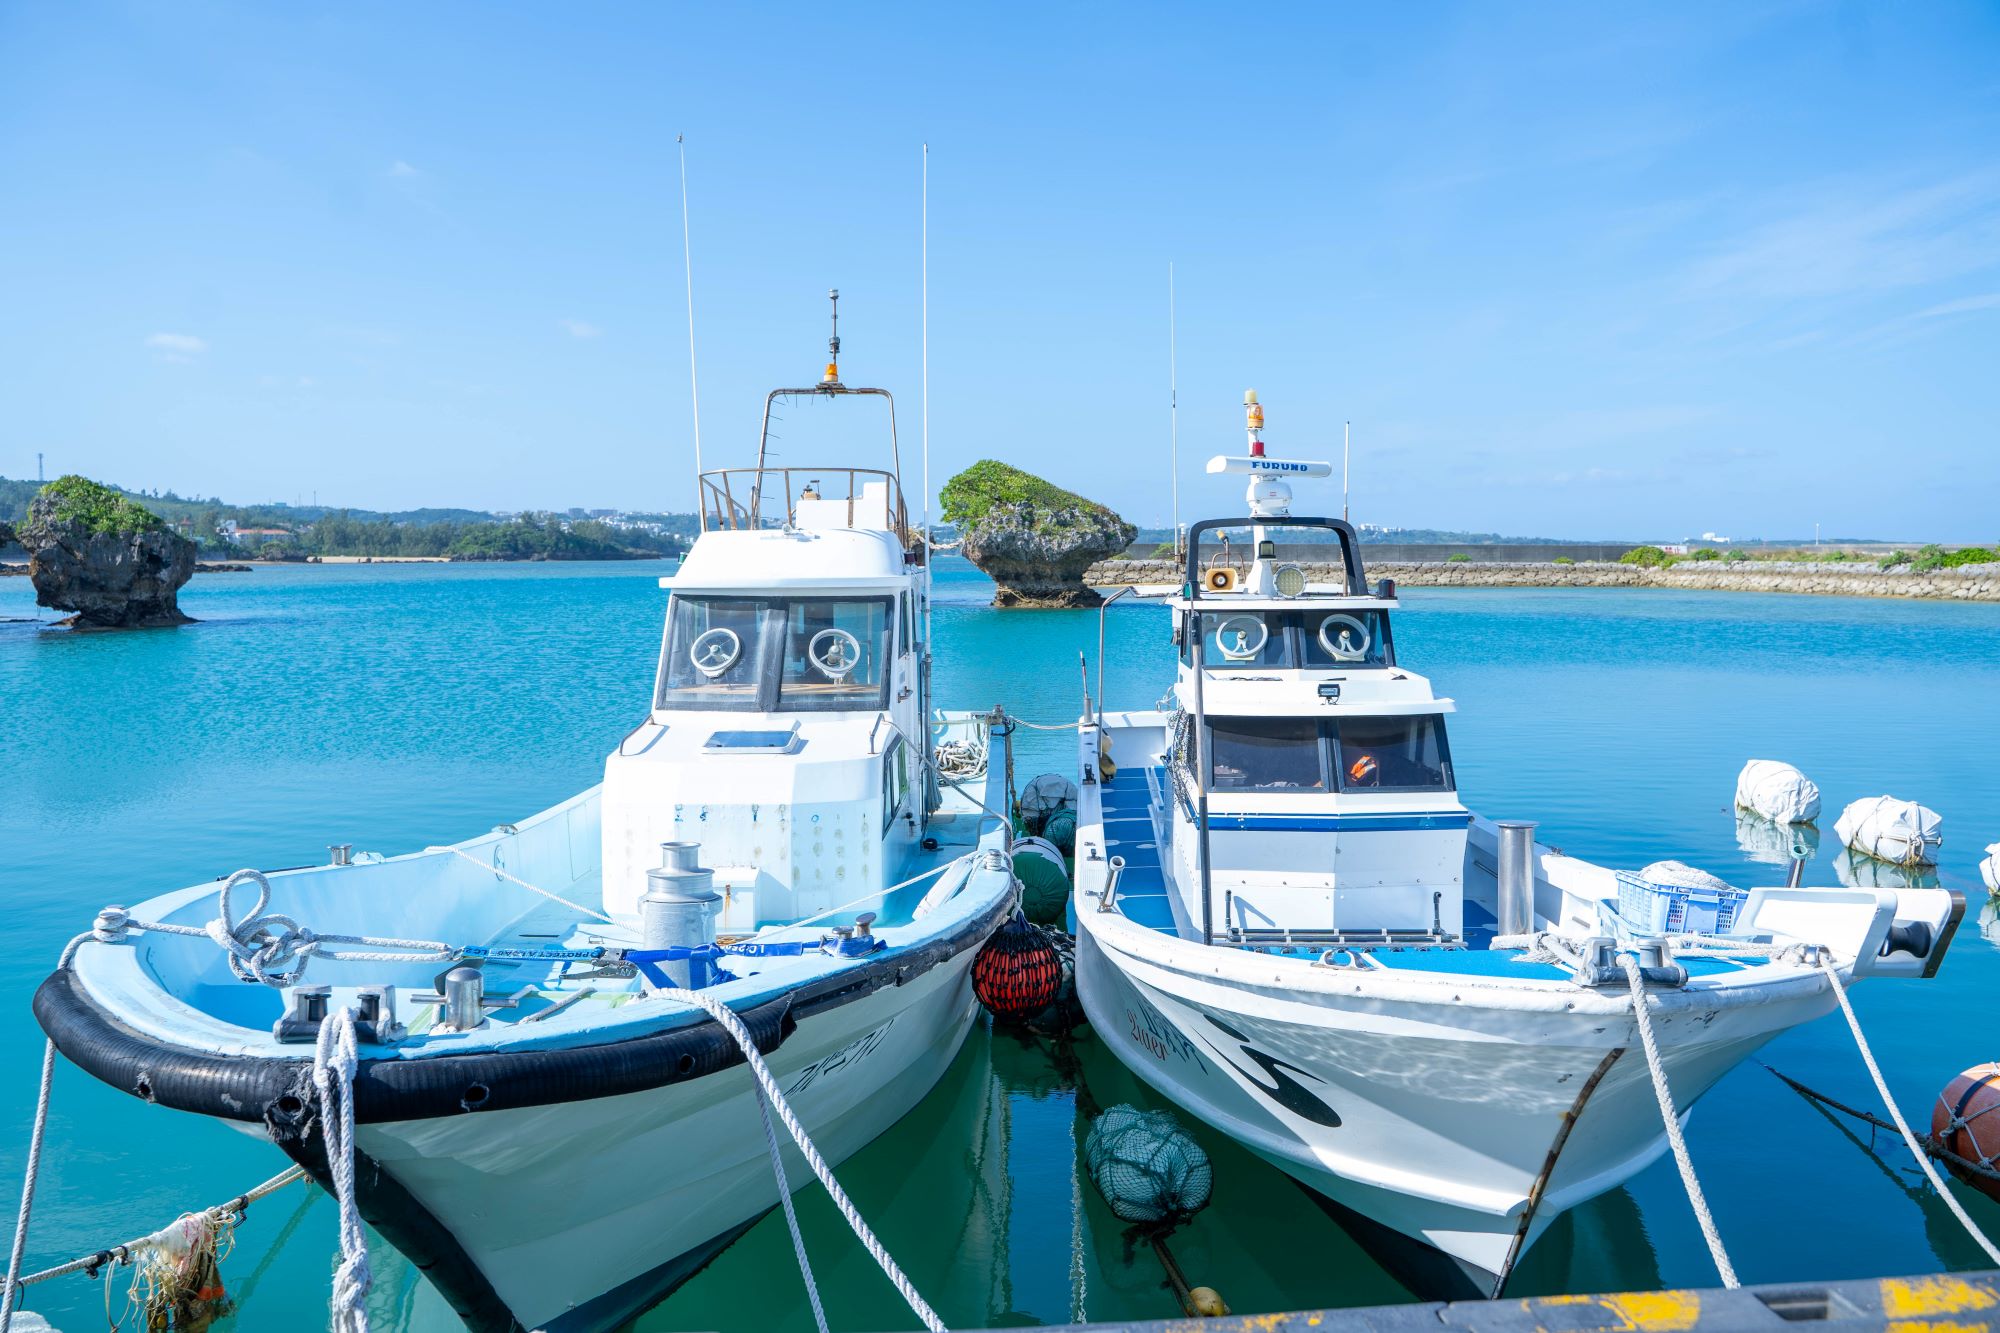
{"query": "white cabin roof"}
pixel 747 561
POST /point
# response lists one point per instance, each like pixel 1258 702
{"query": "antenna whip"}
pixel 694 377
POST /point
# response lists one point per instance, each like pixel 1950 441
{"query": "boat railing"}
pixel 754 497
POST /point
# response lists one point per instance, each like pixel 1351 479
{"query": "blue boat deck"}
pixel 1128 832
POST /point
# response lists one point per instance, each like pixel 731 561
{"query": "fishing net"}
pixel 1065 1014
pixel 1016 973
pixel 1060 829
pixel 1042 797
pixel 1149 1169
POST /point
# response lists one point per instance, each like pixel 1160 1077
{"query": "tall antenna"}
pixel 924 383
pixel 40 476
pixel 1173 409
pixel 1346 433
pixel 694 377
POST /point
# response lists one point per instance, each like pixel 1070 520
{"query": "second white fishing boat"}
pixel 1288 923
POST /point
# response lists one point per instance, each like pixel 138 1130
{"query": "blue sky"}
pixel 1589 270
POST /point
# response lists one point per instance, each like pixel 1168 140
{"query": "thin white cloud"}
pixel 402 170
pixel 1860 236
pixel 577 328
pixel 180 347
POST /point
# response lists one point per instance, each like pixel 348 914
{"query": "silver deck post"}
pixel 1517 877
pixel 1199 754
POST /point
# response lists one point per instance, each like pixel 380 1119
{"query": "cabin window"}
pixel 1265 754
pixel 716 650
pixel 1245 639
pixel 1391 754
pixel 1344 638
pixel 771 655
pixel 834 654
pixel 895 782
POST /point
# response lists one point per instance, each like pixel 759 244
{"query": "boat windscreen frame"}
pixel 1350 550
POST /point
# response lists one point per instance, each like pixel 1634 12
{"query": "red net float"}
pixel 1017 973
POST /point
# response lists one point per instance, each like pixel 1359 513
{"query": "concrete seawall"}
pixel 1970 583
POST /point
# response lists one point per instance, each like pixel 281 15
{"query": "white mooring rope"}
pixel 1882 1088
pixel 33 1171
pixel 1673 1123
pixel 334 1062
pixel 768 1083
pixel 531 888
pixel 791 1214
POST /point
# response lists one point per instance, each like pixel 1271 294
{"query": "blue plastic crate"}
pixel 1675 909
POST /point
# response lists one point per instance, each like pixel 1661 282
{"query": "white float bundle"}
pixel 1900 832
pixel 1778 792
pixel 1989 869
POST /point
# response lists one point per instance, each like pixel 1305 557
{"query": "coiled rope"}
pixel 334 1062
pixel 270 947
pixel 1673 1124
pixel 1902 1125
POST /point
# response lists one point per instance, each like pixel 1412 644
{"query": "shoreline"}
pixel 1969 583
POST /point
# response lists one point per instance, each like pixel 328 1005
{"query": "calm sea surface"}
pixel 397 706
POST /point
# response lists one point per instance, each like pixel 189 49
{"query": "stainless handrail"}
pixel 1102 607
pixel 720 506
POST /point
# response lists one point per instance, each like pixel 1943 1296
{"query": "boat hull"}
pixel 567 1210
pixel 1458 1123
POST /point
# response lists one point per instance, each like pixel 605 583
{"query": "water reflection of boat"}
pixel 1775 844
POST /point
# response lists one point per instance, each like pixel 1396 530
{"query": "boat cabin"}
pixel 788 731
pixel 1314 795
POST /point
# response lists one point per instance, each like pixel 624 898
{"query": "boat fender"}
pixel 1017 973
pixel 1778 792
pixel 1148 1168
pixel 1044 887
pixel 1042 797
pixel 1965 1121
pixel 1902 833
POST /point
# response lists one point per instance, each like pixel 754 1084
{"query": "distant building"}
pixel 255 536
pixel 1675 548
pixel 1717 538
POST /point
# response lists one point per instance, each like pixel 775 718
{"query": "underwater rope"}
pixel 1673 1123
pixel 1902 1125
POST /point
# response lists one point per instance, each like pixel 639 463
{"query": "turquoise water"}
pixel 397 706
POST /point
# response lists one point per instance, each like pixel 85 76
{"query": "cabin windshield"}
pixel 753 654
pixel 1309 754
pixel 1319 639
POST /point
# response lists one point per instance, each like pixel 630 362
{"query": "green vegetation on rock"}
pixel 969 496
pixel 1650 556
pixel 1457 558
pixel 98 509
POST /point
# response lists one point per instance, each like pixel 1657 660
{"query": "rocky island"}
pixel 111 561
pixel 1031 537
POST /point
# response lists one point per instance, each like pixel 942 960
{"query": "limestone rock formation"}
pixel 1032 538
pixel 112 562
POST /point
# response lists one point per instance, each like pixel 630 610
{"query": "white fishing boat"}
pixel 1289 923
pixel 552 1140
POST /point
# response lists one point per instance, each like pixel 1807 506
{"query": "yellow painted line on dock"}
pixel 1908 1304
pixel 1624 1312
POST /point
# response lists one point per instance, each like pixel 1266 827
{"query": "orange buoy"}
pixel 1966 1119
